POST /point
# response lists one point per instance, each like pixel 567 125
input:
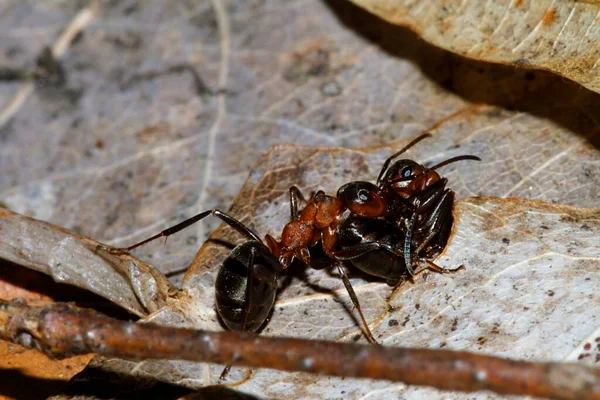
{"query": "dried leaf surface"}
pixel 166 109
pixel 562 37
pixel 529 291
pixel 71 258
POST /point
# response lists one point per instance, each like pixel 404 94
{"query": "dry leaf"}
pixel 561 37
pixel 71 258
pixel 167 108
pixel 529 291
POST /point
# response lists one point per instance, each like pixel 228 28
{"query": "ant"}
pixel 413 197
pixel 247 282
pixel 368 239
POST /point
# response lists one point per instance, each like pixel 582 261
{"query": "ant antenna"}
pixel 408 146
pixel 454 159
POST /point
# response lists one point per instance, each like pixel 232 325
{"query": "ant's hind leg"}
pixel 354 299
pixel 234 223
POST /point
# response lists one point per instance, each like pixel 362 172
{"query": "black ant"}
pixel 375 238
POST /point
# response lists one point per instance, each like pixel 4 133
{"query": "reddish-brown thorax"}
pixel 317 221
pixel 424 179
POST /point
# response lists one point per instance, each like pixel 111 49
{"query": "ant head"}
pixel 406 177
pixel 402 173
pixel 363 199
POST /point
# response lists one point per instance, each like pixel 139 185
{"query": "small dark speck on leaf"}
pixel 585 227
pixel 13 51
pixel 550 293
pixel 417 306
pixel 544 227
pixel 454 324
pixel 131 9
pixel 356 338
pixel 331 89
pixel 127 40
pixel 393 322
pixel 506 240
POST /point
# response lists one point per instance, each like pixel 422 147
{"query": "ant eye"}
pixel 407 172
pixel 363 195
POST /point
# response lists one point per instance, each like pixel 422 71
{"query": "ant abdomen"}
pixel 239 309
pixel 385 261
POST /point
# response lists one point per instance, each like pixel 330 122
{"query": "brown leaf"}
pixel 560 37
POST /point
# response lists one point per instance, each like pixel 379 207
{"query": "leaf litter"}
pixel 339 77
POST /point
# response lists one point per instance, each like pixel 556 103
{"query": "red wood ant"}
pixel 408 208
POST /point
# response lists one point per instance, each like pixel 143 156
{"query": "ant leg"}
pixel 295 197
pixel 425 241
pixel 234 223
pixel 354 299
pixel 248 295
pixel 439 221
pixel 360 249
pixel 432 266
pixel 407 243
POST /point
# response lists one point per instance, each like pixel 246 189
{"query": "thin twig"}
pixel 62 330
